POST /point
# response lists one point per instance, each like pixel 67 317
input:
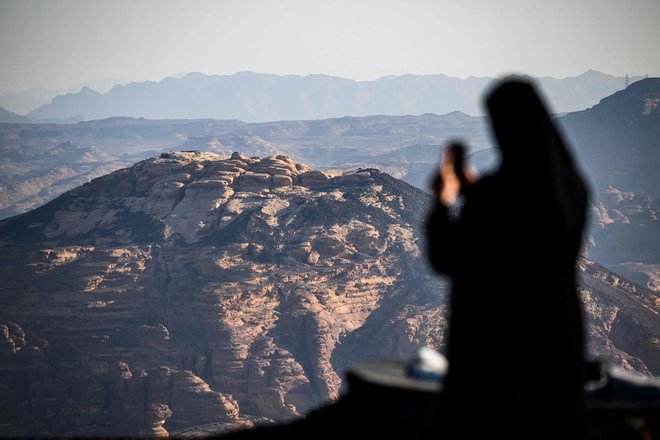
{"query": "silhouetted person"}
pixel 516 361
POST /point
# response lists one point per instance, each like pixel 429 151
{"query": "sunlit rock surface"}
pixel 193 289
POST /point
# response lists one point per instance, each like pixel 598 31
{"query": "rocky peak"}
pixel 183 195
pixel 637 101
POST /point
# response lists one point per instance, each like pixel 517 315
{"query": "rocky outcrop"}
pixel 194 289
pixel 626 228
pixel 623 319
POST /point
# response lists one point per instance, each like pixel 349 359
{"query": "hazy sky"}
pixel 60 43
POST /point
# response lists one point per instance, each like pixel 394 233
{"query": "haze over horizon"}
pixel 219 245
pixel 61 44
pixel 104 85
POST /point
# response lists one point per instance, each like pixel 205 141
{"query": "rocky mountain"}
pixel 625 235
pixel 9 117
pixel 627 228
pixel 25 101
pixel 193 288
pixel 617 143
pixel 342 142
pixel 623 318
pixel 204 289
pixel 40 177
pixel 617 140
pixel 255 97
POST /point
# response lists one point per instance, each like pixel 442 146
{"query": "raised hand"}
pixel 452 176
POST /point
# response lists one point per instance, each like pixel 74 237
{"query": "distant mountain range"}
pixel 24 101
pixel 256 97
pixel 406 146
pixel 616 142
pixel 11 117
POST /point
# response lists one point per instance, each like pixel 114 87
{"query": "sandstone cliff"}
pixel 194 289
pixel 626 228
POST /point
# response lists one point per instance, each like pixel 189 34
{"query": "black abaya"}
pixel 516 361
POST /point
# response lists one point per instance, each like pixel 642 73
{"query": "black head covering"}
pixel 535 155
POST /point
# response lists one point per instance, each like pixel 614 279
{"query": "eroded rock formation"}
pixel 189 290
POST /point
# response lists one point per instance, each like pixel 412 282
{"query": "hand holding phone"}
pixel 452 178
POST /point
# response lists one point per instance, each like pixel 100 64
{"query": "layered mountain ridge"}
pixel 194 288
pixel 616 142
pixel 256 97
pixel 30 175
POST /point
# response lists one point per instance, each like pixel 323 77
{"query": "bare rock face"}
pixel 194 289
pixel 623 319
pixel 626 229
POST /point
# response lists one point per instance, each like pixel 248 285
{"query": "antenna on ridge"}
pixel 627 81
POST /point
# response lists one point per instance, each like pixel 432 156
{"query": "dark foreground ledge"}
pixel 383 402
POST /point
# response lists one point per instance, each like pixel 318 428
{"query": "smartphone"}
pixel 458 150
